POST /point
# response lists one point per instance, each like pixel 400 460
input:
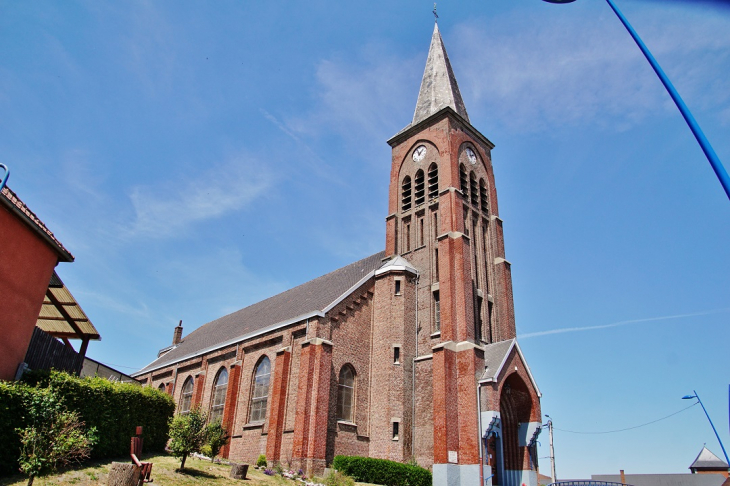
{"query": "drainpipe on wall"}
pixel 413 379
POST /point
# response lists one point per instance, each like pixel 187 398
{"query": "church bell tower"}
pixel 443 219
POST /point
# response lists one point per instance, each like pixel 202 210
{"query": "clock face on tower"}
pixel 419 153
pixel 471 156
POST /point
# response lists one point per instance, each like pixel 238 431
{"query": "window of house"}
pixel 260 392
pixel 346 394
pixel 220 388
pixel 406 194
pixel 186 397
pixel 473 189
pixel 396 426
pixel 161 387
pixel 396 354
pixel 433 181
pixel 483 196
pixel 436 312
pixel 397 287
pixel 420 188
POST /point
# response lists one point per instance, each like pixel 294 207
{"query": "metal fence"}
pixel 586 483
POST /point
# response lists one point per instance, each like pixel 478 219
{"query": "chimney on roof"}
pixel 177 335
pixel 623 475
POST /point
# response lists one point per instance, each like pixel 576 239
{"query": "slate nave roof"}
pixel 315 297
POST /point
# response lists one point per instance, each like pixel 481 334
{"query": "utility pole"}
pixel 552 450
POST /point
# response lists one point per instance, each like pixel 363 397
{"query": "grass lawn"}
pixel 197 473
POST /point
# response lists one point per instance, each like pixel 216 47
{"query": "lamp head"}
pixel 686 397
pixel 559 1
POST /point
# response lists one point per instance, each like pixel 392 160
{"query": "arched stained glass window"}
pixel 260 392
pixel 346 394
pixel 186 397
pixel 220 388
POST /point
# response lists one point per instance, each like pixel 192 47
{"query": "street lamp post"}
pixel 712 157
pixel 690 397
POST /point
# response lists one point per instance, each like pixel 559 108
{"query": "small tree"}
pixel 54 441
pixel 187 434
pixel 217 438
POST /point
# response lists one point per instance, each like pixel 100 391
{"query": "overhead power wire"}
pixel 628 428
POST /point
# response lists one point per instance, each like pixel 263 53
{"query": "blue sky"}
pixel 198 157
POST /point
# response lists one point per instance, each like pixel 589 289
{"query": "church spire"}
pixel 438 87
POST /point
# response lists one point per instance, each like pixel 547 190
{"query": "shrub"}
pixel 217 437
pixel 337 478
pixel 57 438
pixel 381 471
pixel 261 461
pixel 187 434
pixel 114 409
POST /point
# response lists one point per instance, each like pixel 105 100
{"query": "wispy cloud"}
pixel 171 209
pixel 535 72
pixel 619 323
pixel 362 97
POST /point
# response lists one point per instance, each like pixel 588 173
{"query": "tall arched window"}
pixel 420 189
pixel 187 396
pixel 433 181
pixel 346 394
pixel 406 199
pixel 219 396
pixel 464 182
pixel 483 196
pixel 161 387
pixel 260 392
pixel 473 189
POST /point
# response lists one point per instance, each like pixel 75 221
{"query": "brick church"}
pixel 408 353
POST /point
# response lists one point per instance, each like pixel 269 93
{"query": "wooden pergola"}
pixel 62 317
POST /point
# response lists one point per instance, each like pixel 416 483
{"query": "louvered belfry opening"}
pixel 433 181
pixel 473 191
pixel 420 190
pixel 483 196
pixel 463 180
pixel 406 200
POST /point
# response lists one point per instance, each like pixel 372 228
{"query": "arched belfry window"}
pixel 433 181
pixel 406 199
pixel 420 192
pixel 463 181
pixel 260 392
pixel 473 190
pixel 483 198
pixel 220 388
pixel 346 394
pixel 186 397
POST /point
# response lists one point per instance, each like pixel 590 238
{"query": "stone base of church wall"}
pixel 456 475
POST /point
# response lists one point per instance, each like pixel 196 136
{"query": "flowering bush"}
pixel 269 472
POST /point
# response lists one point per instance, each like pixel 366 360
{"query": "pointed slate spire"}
pixel 438 87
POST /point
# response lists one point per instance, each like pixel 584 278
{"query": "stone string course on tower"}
pixel 409 353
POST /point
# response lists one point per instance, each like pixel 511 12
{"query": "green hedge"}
pixel 114 408
pixel 381 471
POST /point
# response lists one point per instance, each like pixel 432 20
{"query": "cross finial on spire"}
pixel 435 15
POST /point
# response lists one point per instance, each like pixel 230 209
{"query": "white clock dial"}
pixel 471 156
pixel 419 153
